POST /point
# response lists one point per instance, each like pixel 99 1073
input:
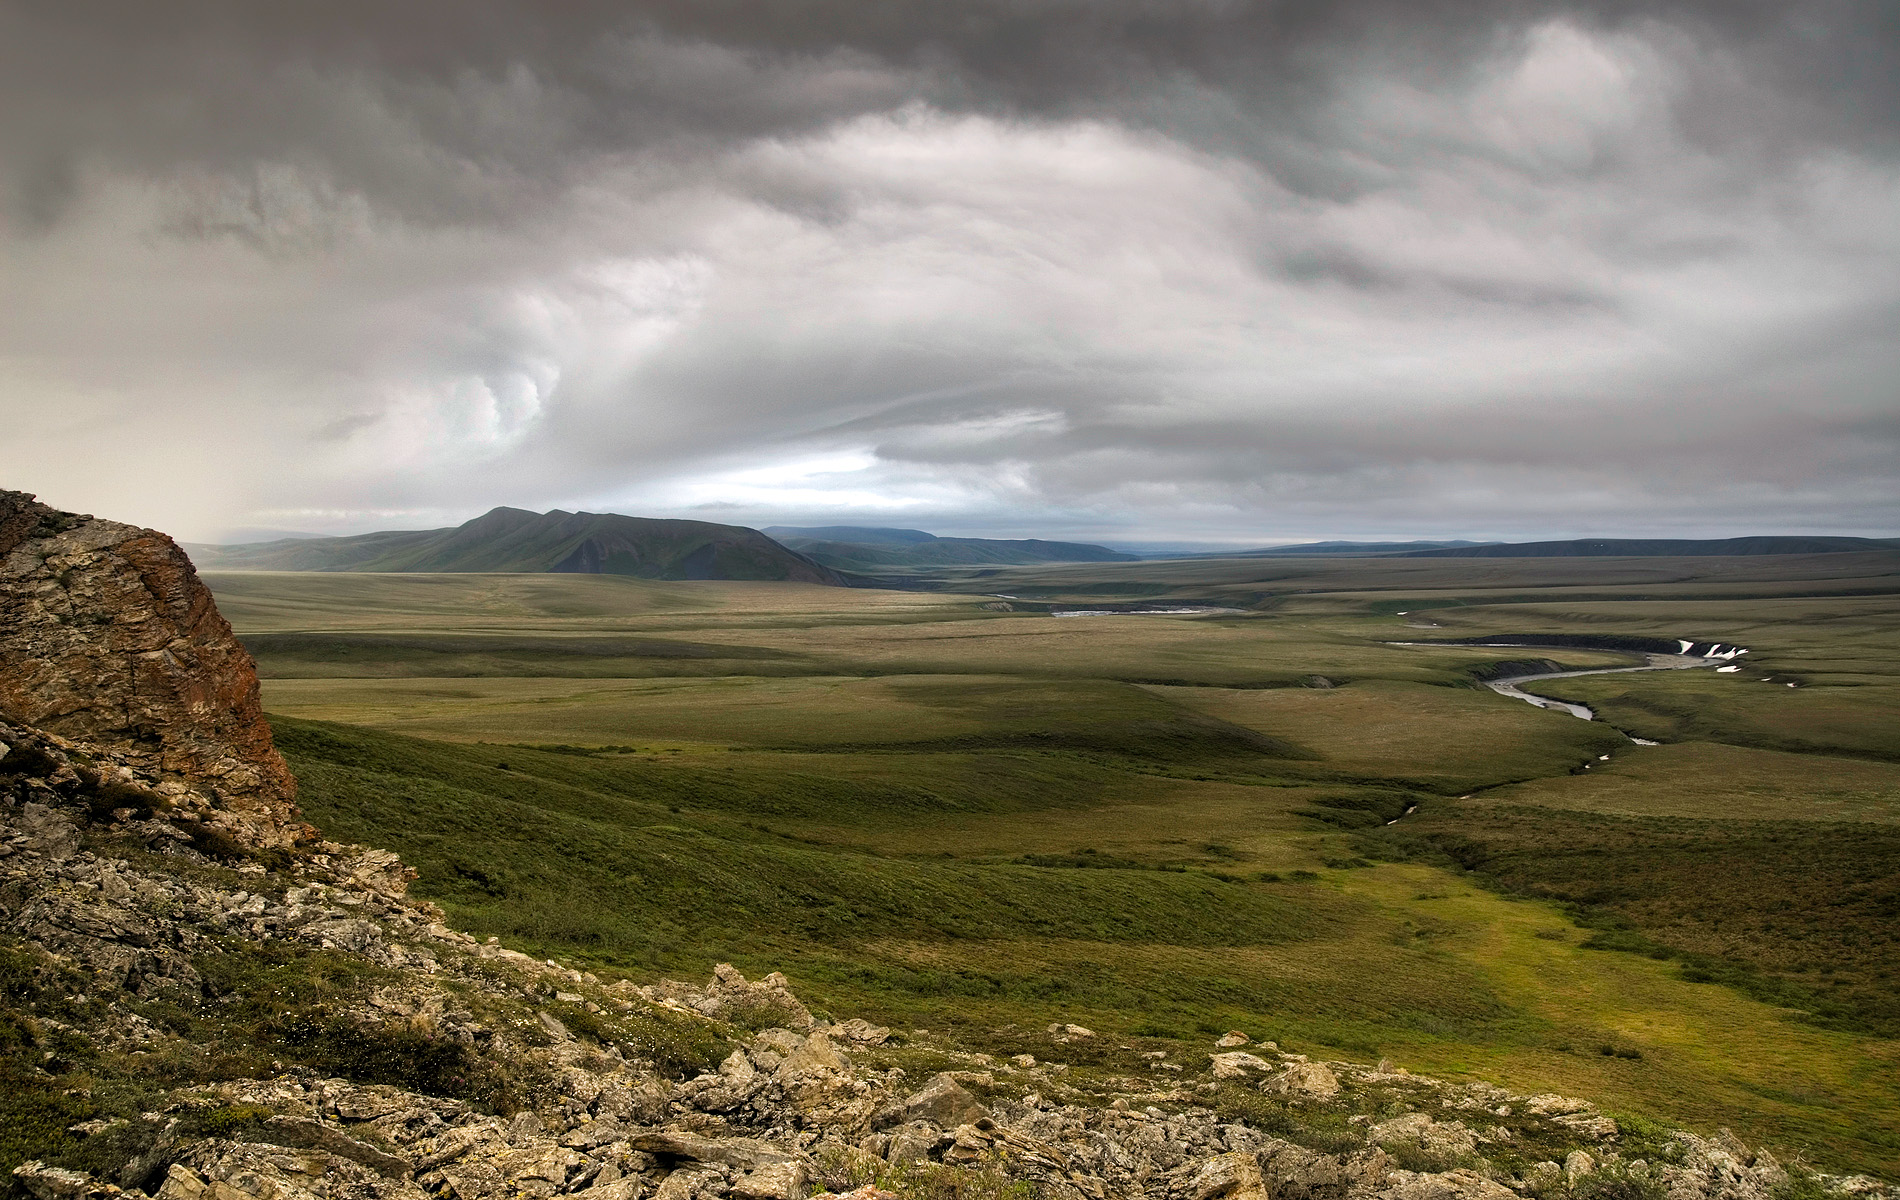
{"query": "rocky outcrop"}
pixel 108 636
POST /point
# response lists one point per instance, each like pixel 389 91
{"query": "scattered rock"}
pixel 1237 1063
pixel 942 1101
pixel 1229 1177
pixel 1305 1080
pixel 861 1032
pixel 1577 1164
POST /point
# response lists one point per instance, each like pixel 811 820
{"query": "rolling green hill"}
pixel 866 548
pixel 514 540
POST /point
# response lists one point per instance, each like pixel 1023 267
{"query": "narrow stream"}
pixel 1711 654
pixel 1657 662
pixel 1714 654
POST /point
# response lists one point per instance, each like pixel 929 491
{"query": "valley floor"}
pixel 946 812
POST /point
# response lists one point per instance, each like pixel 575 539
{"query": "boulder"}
pixel 1297 1173
pixel 691 1184
pixel 1448 1138
pixel 1304 1081
pixel 747 1154
pixel 814 1056
pixel 1452 1185
pixel 731 996
pixel 913 1142
pixel 779 1181
pixel 1237 1063
pixel 55 1183
pixel 1543 1177
pixel 1229 1177
pixel 618 1189
pixel 942 1101
pixel 860 1031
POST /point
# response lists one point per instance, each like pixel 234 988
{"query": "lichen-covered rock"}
pixel 1306 1080
pixel 1237 1064
pixel 108 636
pixel 1229 1177
pixel 941 1101
pixel 1445 1139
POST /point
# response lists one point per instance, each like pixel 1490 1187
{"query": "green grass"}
pixel 583 857
pixel 1803 914
pixel 1713 780
pixel 947 817
pixel 551 827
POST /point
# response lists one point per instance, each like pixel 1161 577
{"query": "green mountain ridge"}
pixel 513 540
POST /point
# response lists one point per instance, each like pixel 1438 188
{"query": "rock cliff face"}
pixel 108 636
pixel 201 1001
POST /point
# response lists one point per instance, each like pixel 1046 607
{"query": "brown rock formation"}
pixel 108 636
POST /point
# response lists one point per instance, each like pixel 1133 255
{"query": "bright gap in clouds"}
pixel 1546 283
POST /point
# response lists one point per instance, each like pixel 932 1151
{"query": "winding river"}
pixel 1657 662
pixel 1713 654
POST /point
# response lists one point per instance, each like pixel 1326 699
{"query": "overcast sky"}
pixel 1113 269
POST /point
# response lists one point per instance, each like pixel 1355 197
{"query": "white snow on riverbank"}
pixel 1196 611
pixel 1657 662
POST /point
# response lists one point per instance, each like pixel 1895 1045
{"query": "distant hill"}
pixel 1663 547
pixel 515 540
pixel 1345 548
pixel 869 548
pixel 865 535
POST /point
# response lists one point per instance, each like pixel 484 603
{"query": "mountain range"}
pixel 515 540
pixel 1349 549
pixel 873 548
pixel 1662 547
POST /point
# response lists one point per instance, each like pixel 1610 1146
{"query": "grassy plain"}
pixel 944 814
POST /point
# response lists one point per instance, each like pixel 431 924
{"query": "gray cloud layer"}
pixel 1115 268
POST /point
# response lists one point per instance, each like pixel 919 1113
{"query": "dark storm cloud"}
pixel 1264 269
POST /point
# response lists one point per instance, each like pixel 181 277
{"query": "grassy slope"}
pixel 586 857
pixel 837 757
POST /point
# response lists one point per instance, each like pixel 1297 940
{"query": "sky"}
pixel 1117 270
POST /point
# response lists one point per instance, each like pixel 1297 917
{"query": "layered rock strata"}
pixel 107 635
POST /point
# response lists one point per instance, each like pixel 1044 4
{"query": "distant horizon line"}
pixel 252 536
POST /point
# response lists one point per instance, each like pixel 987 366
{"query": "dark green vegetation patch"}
pixel 1803 914
pixel 513 852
